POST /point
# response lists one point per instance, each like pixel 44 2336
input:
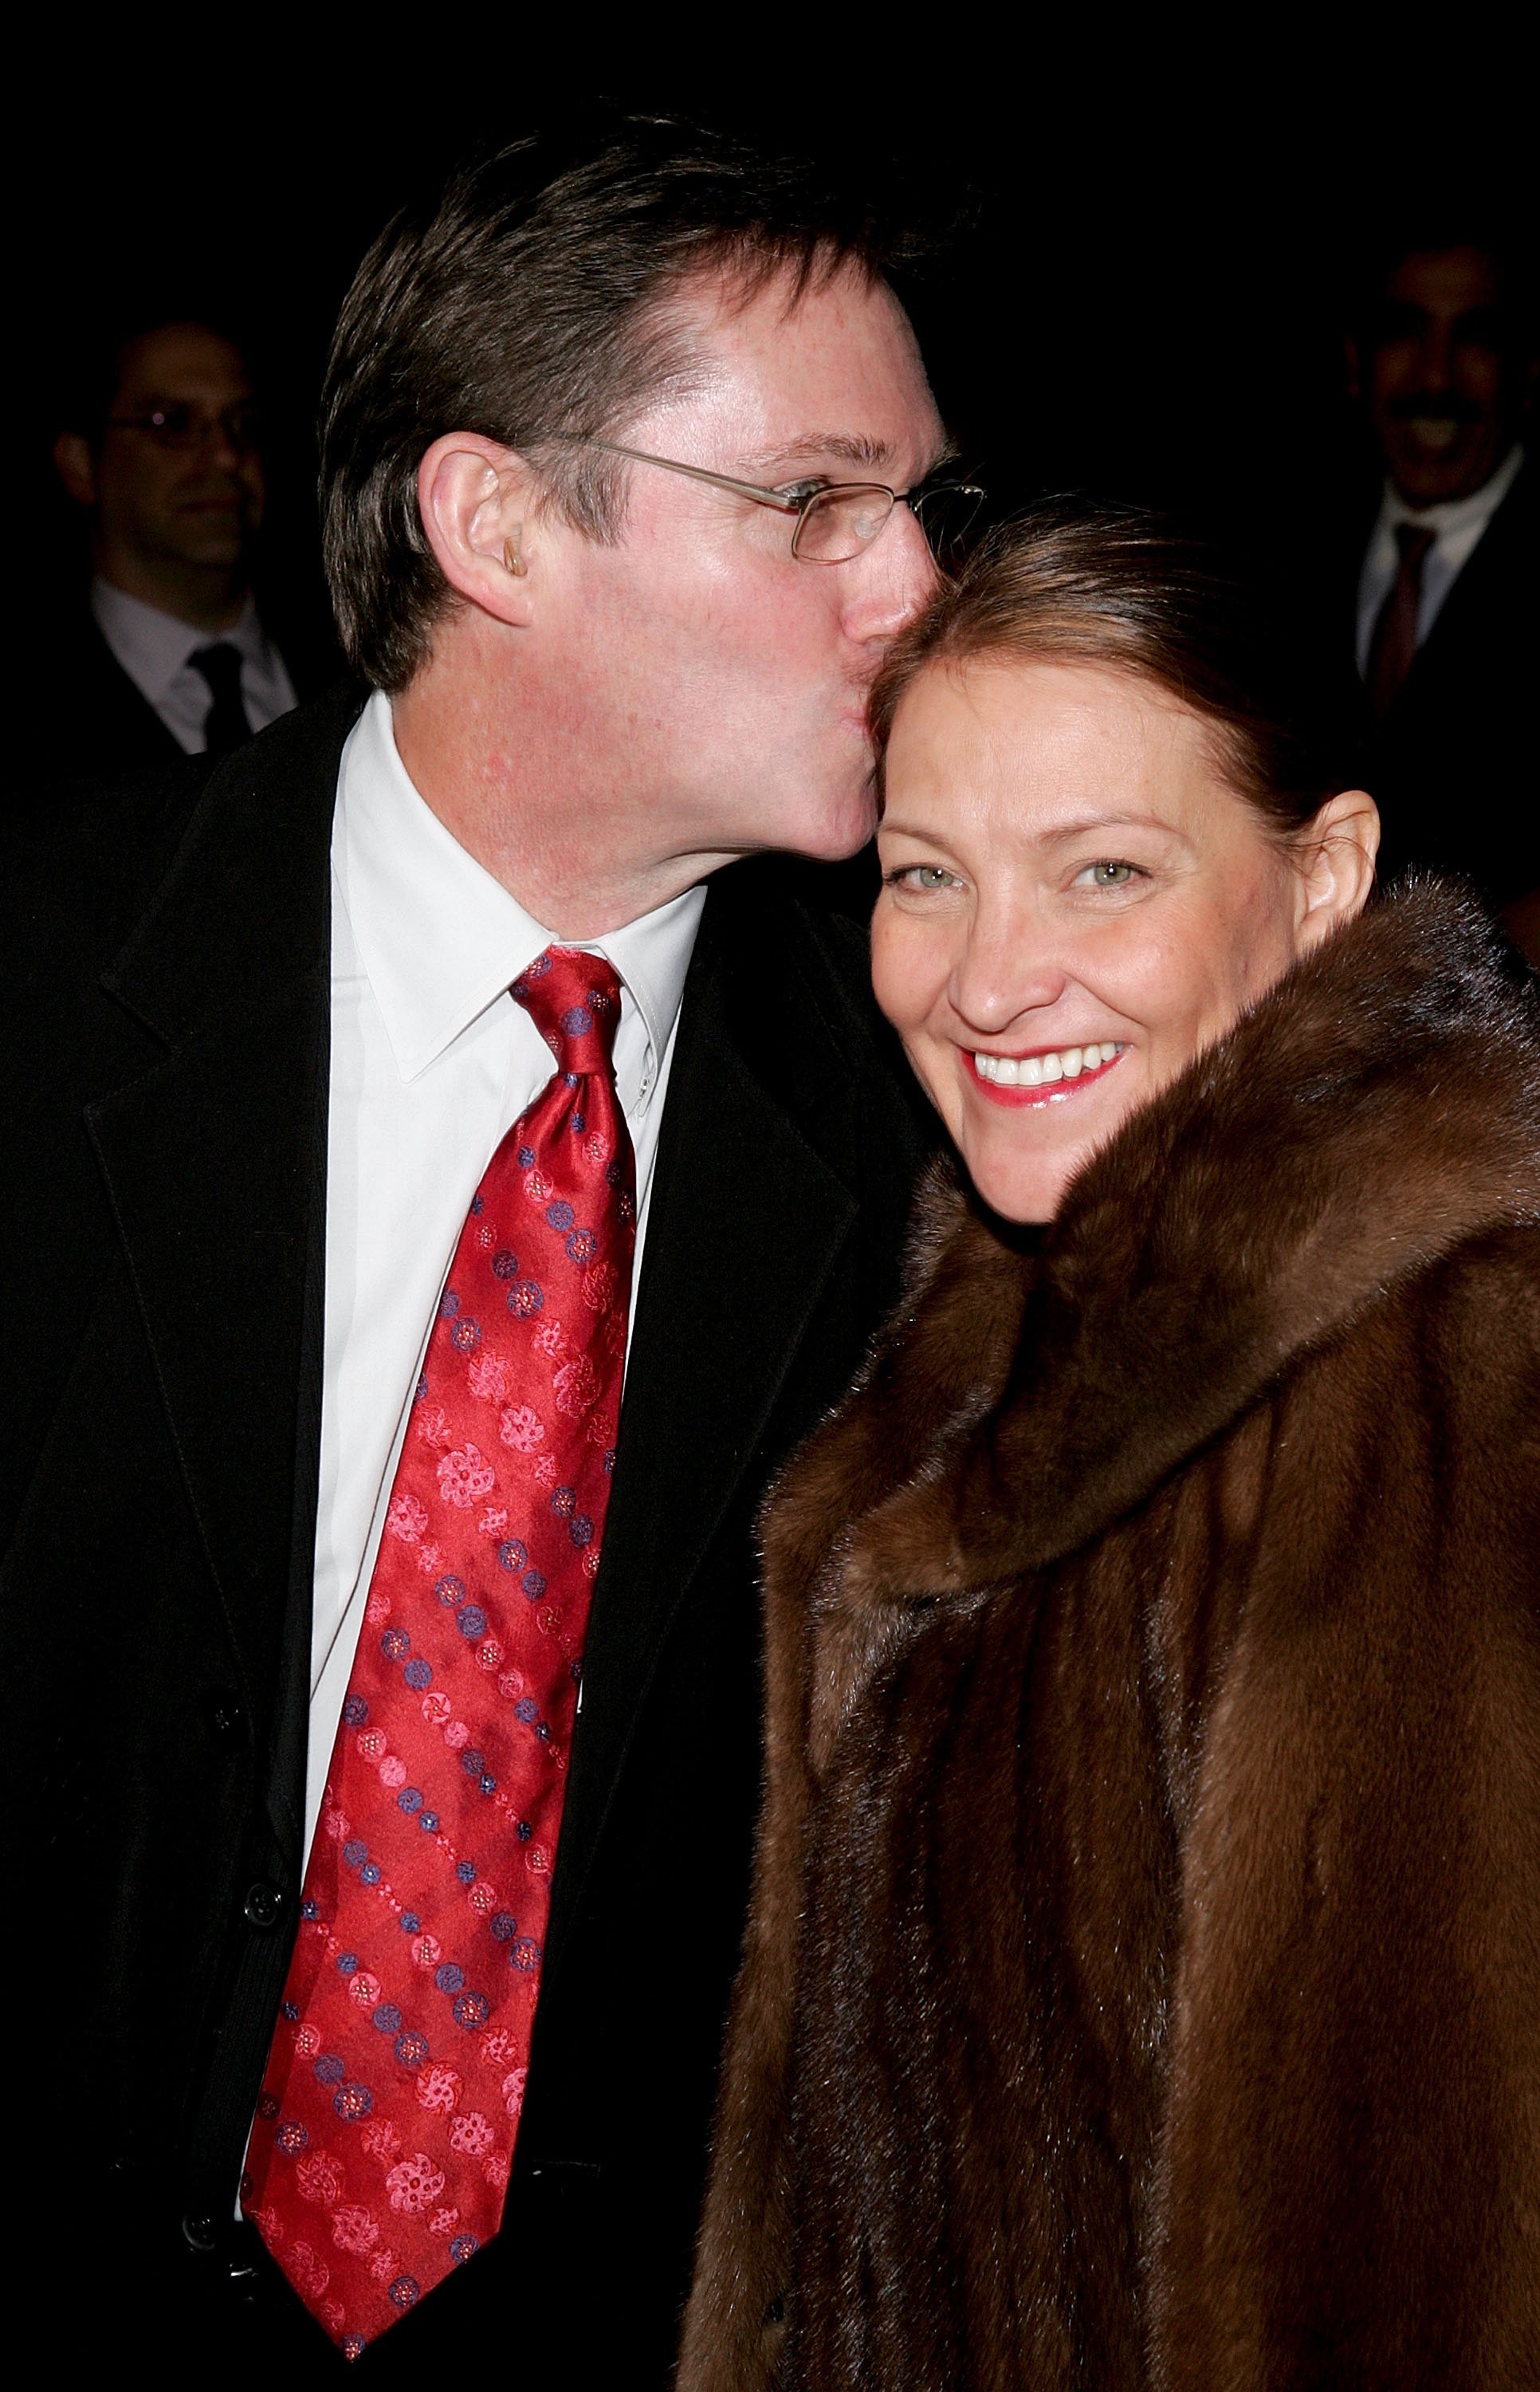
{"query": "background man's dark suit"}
pixel 86 719
pixel 164 1241
pixel 1453 764
pixel 113 728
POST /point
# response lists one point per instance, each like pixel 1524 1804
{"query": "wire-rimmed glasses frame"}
pixel 177 423
pixel 830 528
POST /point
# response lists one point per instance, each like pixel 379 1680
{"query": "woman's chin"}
pixel 1028 1196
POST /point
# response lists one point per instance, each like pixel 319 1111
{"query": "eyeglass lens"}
pixel 948 514
pixel 187 427
pixel 837 524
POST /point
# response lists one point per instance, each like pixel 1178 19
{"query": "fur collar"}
pixel 1379 1107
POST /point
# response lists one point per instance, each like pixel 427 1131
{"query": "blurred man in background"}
pixel 170 655
pixel 1443 362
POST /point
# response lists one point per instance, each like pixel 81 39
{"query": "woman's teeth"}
pixel 1036 1071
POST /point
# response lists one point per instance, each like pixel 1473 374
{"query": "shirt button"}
pixel 264 1903
pixel 200 2233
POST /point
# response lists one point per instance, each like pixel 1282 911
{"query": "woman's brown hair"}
pixel 1078 582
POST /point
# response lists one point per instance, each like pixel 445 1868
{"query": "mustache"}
pixel 221 486
pixel 1448 403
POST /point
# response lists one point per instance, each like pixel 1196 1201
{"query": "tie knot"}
pixel 574 1001
pixel 1414 540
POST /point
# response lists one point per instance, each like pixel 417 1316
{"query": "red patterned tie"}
pixel 380 2156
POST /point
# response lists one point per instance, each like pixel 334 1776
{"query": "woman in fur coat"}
pixel 1143 1982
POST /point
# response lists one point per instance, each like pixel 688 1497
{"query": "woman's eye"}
pixel 1106 873
pixel 922 876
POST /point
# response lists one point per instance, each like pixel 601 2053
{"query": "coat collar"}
pixel 1379 1107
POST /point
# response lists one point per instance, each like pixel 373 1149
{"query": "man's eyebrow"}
pixel 852 449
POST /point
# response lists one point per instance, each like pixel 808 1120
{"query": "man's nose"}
pixel 219 446
pixel 1435 363
pixel 901 575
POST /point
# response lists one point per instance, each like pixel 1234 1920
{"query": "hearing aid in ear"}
pixel 510 555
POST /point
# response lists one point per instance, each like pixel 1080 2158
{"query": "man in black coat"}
pixel 1444 579
pixel 261 1062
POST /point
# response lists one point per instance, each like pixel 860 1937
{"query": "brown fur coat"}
pixel 1143 1982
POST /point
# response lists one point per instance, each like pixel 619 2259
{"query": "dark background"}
pixel 1147 300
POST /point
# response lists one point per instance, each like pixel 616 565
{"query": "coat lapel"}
pixel 748 1220
pixel 215 1163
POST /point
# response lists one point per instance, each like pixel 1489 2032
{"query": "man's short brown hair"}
pixel 529 303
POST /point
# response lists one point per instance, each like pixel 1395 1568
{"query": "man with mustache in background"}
pixel 1447 620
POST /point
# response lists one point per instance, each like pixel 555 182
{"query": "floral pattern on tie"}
pixel 386 2127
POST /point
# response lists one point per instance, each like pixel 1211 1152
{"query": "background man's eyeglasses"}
pixel 179 426
pixel 836 520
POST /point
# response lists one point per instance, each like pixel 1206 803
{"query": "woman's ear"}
pixel 1336 864
pixel 477 501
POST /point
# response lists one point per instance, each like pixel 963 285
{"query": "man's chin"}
pixel 846 830
pixel 1428 478
pixel 212 555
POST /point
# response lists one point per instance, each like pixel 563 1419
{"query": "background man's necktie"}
pixel 225 725
pixel 1394 642
pixel 386 2127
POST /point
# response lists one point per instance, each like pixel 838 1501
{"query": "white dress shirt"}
pixel 1457 526
pixel 153 650
pixel 432 1062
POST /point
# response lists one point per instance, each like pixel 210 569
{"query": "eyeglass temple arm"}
pixel 778 499
pixel 781 499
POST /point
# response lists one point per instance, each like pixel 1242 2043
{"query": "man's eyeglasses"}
pixel 177 425
pixel 836 520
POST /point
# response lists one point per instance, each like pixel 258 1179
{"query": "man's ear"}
pixel 77 467
pixel 478 501
pixel 1337 856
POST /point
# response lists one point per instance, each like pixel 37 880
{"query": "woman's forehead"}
pixel 1041 745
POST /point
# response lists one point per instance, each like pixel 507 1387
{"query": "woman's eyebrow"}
pixel 902 829
pixel 1082 825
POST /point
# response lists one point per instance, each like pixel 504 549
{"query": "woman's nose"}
pixel 1001 974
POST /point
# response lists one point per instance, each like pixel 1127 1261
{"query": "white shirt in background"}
pixel 153 649
pixel 1457 526
pixel 432 1062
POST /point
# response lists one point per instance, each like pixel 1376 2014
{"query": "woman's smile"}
pixel 1049 1076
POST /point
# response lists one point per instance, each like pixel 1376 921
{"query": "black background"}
pixel 1148 301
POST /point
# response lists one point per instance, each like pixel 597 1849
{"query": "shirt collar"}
pixel 441 939
pixel 154 646
pixel 652 955
pixel 1447 521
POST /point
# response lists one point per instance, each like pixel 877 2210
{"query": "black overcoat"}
pixel 167 958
